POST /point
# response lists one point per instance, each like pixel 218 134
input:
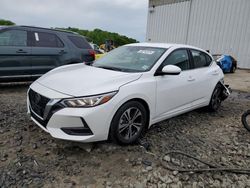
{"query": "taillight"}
pixel 92 53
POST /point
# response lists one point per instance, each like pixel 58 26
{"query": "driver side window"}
pixel 178 58
pixel 13 38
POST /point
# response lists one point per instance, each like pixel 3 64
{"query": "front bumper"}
pixel 76 124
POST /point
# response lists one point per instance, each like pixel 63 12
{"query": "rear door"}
pixel 204 76
pixel 48 52
pixel 15 53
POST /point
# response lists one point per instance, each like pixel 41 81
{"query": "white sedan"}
pixel 122 94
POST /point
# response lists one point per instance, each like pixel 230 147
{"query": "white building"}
pixel 221 26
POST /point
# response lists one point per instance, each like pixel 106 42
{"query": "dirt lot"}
pixel 29 157
pixel 240 80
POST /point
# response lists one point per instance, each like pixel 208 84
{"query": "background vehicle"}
pixel 98 51
pixel 120 96
pixel 108 45
pixel 97 48
pixel 28 52
pixel 246 119
pixel 99 54
pixel 226 62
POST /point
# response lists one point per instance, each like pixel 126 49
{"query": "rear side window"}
pixel 43 39
pixel 209 59
pixel 13 38
pixel 200 59
pixel 79 42
pixel 178 58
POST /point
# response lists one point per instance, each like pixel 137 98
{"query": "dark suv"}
pixel 28 52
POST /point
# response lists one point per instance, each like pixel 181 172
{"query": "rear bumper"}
pixel 226 91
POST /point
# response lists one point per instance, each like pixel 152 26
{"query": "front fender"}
pixel 130 91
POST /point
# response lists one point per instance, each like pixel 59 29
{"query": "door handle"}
pixel 21 51
pixel 191 78
pixel 62 52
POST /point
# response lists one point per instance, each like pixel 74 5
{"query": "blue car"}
pixel 226 62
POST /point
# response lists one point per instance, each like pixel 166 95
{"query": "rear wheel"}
pixel 246 120
pixel 215 101
pixel 128 123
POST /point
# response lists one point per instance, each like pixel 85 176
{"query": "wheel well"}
pixel 219 83
pixel 145 104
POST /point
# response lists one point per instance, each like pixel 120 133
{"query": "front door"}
pixel 175 92
pixel 15 54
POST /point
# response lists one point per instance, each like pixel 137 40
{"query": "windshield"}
pixel 130 58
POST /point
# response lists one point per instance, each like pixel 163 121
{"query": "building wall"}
pixel 222 26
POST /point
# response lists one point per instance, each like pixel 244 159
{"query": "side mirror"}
pixel 171 70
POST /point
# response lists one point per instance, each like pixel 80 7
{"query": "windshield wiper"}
pixel 111 68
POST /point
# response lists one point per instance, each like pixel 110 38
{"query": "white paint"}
pixel 166 95
pixel 36 37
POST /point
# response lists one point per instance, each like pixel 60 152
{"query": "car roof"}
pixel 164 45
pixel 42 28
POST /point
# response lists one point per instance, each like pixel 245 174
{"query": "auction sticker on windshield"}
pixel 148 52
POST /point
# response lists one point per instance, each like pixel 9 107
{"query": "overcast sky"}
pixel 127 17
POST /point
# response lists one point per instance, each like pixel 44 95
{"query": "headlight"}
pixel 88 101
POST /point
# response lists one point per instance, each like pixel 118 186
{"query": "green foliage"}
pixel 99 36
pixel 96 36
pixel 6 22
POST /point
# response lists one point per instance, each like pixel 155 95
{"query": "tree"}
pixel 99 36
pixel 6 22
pixel 96 36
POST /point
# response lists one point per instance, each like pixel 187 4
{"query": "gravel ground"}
pixel 29 157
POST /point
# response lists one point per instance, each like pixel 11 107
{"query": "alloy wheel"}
pixel 130 123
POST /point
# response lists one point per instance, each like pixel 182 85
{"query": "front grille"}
pixel 37 102
pixel 37 107
pixel 42 122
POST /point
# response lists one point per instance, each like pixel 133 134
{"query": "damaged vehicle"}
pixel 122 94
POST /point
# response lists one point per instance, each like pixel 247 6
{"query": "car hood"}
pixel 82 80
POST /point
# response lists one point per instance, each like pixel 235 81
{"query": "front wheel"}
pixel 128 123
pixel 215 101
pixel 245 118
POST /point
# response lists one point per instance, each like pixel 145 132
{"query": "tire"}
pixel 215 101
pixel 245 119
pixel 233 69
pixel 128 123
